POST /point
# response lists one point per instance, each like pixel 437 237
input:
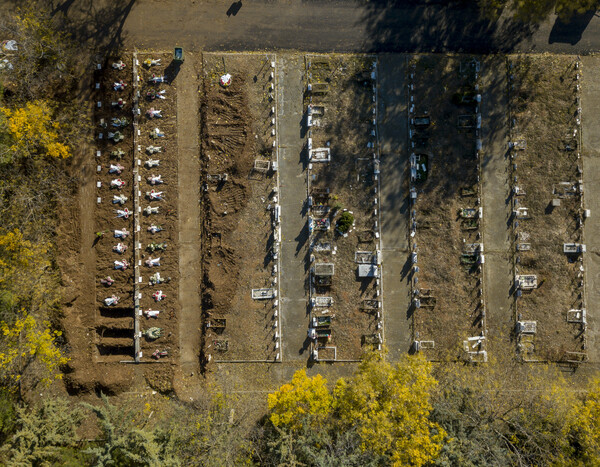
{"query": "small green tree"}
pixel 215 435
pixel 566 9
pixel 46 434
pixel 345 222
pixel 8 415
pixel 123 443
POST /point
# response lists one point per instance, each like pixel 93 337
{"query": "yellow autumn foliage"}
pixel 584 432
pixel 304 396
pixel 25 341
pixel 34 132
pixel 390 405
pixel 24 277
pixel 15 252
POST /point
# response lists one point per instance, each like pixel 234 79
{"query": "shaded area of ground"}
pixel 393 139
pixel 343 26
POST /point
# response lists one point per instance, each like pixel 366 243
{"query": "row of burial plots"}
pixel 157 193
pixel 446 245
pixel 547 201
pixel 343 168
pixel 114 317
pixel 241 213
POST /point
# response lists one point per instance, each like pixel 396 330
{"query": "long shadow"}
pixel 234 8
pixel 303 125
pixel 408 26
pixel 570 31
pixel 62 7
pixel 364 283
pixel 92 24
pixel 172 70
pixel 406 267
pixel 302 238
pixel 305 346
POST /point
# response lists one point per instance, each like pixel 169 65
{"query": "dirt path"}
pixel 393 129
pixel 294 230
pixel 351 25
pixel 78 259
pixel 189 212
pixel 590 102
pixel 496 208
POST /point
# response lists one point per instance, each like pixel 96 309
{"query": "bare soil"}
pixel 114 324
pixel 102 336
pixel 166 217
pixel 237 235
pixel 450 308
pixel 345 127
pixel 98 336
pixel 544 111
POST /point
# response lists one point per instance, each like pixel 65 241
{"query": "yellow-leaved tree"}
pixel 16 253
pixel 24 279
pixel 584 433
pixel 304 397
pixel 390 405
pixel 27 342
pixel 33 131
pixel 24 342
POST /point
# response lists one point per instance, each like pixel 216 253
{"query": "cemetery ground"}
pixel 445 216
pixel 114 324
pixel 341 107
pixel 239 233
pixel 548 205
pixel 152 242
pixel 97 360
pixel 239 196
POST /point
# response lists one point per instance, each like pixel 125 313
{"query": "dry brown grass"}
pixel 545 107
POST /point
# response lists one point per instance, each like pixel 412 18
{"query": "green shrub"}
pixel 345 222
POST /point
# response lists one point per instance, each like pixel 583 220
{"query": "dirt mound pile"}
pixel 227 158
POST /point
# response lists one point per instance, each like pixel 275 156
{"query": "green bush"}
pixel 345 222
pixel 7 415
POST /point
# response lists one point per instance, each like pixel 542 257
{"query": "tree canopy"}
pixel 303 398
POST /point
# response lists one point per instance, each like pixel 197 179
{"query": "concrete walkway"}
pixel 393 138
pixel 294 228
pixel 189 212
pixel 496 208
pixel 590 103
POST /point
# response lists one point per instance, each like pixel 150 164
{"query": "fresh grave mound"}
pixel 237 130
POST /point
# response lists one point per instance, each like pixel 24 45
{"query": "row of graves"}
pixel 242 216
pixel 115 205
pixel 156 168
pixel 121 331
pixel 548 213
pixel 342 154
pixel 446 245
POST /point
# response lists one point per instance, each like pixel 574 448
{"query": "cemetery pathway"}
pixel 294 227
pixel 393 138
pixel 496 209
pixel 189 212
pixel 590 103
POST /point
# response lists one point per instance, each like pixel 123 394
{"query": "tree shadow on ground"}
pixel 96 25
pixel 405 26
pixel 570 31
